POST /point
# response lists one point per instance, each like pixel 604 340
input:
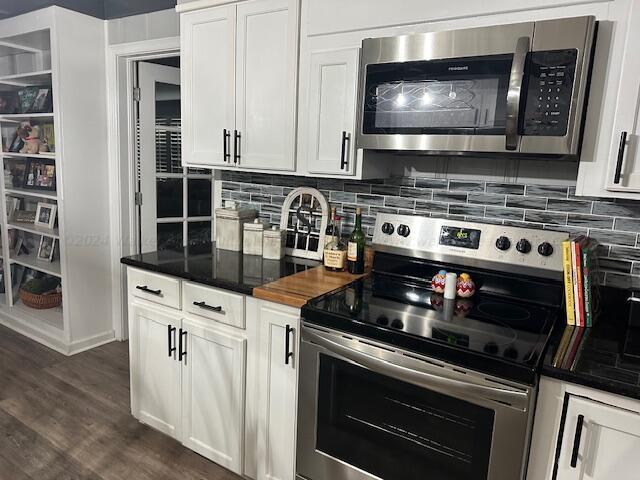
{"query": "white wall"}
pixel 148 26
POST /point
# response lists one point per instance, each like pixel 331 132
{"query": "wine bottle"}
pixel 330 232
pixel 355 248
pixel 335 253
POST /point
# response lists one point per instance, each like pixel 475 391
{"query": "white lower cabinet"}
pixel 155 371
pixel 213 374
pixel 584 434
pixel 277 391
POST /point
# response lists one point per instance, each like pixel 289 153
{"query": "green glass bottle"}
pixel 355 248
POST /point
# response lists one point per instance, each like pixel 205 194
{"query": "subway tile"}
pixel 514 223
pixel 330 184
pixel 573 206
pixel 259 198
pixel 418 193
pixel 466 186
pixel 357 187
pixel 270 190
pixel 627 224
pixel 442 196
pixel 486 199
pixel 549 191
pixel 625 252
pixel 613 265
pixel 472 210
pixel 617 208
pixel 507 188
pixel 278 199
pixel 241 196
pixel 251 188
pixel 518 201
pixel 376 210
pixel 270 208
pixel 613 236
pixel 622 281
pixel 504 213
pixel 435 207
pixel 230 185
pixel 448 216
pixel 386 190
pixel 431 182
pixel 370 199
pixel 400 181
pixel 589 221
pixel 399 202
pixel 342 197
pixel 262 178
pixel 543 216
pixel 635 270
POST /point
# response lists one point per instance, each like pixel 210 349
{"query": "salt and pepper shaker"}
pixel 274 243
pixel 253 235
pixel 450 286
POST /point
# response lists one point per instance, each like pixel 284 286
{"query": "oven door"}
pixel 367 412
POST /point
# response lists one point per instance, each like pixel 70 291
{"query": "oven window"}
pixel 462 96
pixel 398 431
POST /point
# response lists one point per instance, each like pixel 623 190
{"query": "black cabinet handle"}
pixel 236 146
pixel 146 289
pixel 576 441
pixel 343 155
pixel 204 306
pixel 182 345
pixel 621 147
pixel 171 330
pixel 226 135
pixel 287 347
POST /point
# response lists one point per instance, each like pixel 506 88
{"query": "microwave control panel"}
pixel 550 77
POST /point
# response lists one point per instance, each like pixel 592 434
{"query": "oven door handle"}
pixel 450 386
pixel 514 93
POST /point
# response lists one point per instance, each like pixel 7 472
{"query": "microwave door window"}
pixel 464 96
pixel 396 430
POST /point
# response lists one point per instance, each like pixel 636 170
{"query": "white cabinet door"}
pixel 213 394
pixel 266 66
pixel 599 442
pixel 624 151
pixel 208 85
pixel 332 108
pixel 155 371
pixel 277 391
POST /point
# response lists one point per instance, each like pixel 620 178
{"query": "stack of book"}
pixel 580 280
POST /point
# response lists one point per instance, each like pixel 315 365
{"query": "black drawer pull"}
pixel 621 147
pixel 146 289
pixel 236 146
pixel 344 162
pixel 226 135
pixel 171 330
pixel 576 441
pixel 204 306
pixel 288 354
pixel 182 345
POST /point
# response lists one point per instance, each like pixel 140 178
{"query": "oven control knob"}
pixel 503 243
pixel 545 249
pixel 387 228
pixel 523 246
pixel 403 230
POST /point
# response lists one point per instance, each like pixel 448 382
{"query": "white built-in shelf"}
pixel 19 117
pixel 35 229
pixel 31 260
pixel 50 155
pixel 25 192
pixel 27 79
pixel 49 316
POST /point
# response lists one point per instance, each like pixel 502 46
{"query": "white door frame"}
pixel 120 61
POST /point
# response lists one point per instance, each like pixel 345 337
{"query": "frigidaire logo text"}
pixel 461 67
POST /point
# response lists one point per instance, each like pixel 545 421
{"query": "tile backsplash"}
pixel 614 223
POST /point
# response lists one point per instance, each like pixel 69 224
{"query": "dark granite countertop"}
pixel 219 268
pixel 599 360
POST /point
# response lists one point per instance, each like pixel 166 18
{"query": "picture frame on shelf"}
pixel 46 215
pixel 12 204
pixel 40 174
pixel 20 245
pixel 27 97
pixel 16 143
pixel 8 103
pixel 42 103
pixel 46 250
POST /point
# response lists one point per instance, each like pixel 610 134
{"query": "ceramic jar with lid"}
pixel 230 226
pixel 273 247
pixel 252 241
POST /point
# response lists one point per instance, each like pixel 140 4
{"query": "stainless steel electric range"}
pixel 397 383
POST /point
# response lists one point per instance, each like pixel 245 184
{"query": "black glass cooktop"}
pixel 495 333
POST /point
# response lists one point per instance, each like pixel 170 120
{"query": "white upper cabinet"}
pixel 611 159
pixel 266 65
pixel 599 442
pixel 239 85
pixel 208 85
pixel 332 111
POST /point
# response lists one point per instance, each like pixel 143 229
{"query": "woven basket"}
pixel 41 302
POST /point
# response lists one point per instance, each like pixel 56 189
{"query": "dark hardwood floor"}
pixel 68 418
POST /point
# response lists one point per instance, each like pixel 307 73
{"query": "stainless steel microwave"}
pixel 518 88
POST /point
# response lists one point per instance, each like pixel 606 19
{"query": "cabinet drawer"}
pixel 154 288
pixel 219 305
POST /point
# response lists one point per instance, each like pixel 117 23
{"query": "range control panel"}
pixel 514 249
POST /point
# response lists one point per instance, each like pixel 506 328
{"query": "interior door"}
pixel 156 376
pixel 331 110
pixel 266 61
pixel 599 442
pixel 213 394
pixel 208 100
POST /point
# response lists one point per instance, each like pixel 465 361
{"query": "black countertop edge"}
pixel 205 264
pixel 600 362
